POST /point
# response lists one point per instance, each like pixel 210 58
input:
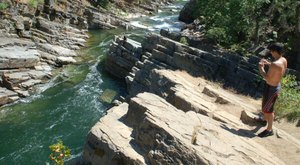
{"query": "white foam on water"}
pixel 51 126
pixel 157 18
pixel 138 25
pixel 105 42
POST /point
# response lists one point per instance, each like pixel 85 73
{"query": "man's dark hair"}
pixel 278 47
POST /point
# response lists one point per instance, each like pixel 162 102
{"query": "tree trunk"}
pixel 256 30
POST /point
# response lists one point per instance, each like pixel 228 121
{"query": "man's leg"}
pixel 269 117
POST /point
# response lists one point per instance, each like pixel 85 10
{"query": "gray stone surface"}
pixel 52 36
pixel 18 57
pixel 123 56
pixel 7 96
pixel 57 50
pixel 110 141
pixel 153 131
pixel 65 60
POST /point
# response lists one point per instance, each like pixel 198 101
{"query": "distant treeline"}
pixel 240 24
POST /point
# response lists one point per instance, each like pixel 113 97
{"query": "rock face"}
pixel 171 118
pixel 35 41
pixel 186 14
pixel 151 131
pixel 123 55
pixel 98 149
pixel 18 57
pixel 7 96
pixel 159 52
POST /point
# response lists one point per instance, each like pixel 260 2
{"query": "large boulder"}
pixel 124 53
pixel 186 14
pixel 110 141
pixel 153 131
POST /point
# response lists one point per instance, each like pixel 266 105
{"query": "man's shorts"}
pixel 269 97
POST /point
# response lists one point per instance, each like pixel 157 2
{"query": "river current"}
pixel 68 106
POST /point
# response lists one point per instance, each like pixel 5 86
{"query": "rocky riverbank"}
pixel 36 40
pixel 173 115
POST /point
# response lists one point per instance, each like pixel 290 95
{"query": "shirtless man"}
pixel 272 77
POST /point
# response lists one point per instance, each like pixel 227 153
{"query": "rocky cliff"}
pixel 149 130
pixel 233 70
pixel 36 39
pixel 173 115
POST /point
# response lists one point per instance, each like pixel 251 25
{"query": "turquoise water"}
pixel 65 111
pixel 69 106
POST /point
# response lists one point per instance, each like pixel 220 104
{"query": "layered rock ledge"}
pixel 149 130
pixel 174 115
pixel 36 41
pixel 45 37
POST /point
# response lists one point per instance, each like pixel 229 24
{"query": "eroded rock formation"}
pixel 36 41
pixel 171 117
pixel 149 130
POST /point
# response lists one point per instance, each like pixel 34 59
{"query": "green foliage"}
pixel 59 153
pixel 250 21
pixel 288 102
pixel 102 3
pixel 3 5
pixel 183 40
pixel 230 21
pixel 218 34
pixel 35 3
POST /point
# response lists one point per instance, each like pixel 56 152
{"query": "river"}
pixel 68 106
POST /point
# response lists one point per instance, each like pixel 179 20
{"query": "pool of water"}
pixel 67 107
pixel 66 110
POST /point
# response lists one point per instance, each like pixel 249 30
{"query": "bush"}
pixel 218 34
pixel 288 102
pixel 102 3
pixel 183 40
pixel 3 5
pixel 35 3
pixel 59 153
pixel 250 21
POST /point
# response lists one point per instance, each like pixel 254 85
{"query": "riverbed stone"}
pixel 30 83
pixel 65 60
pixel 163 134
pixel 7 96
pixel 18 57
pixel 57 50
pixel 7 41
pixel 110 141
pixel 124 53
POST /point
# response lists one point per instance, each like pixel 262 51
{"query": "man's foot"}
pixel 260 121
pixel 265 133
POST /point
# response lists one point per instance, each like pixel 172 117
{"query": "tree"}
pixel 248 22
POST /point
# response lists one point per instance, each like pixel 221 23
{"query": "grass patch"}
pixel 3 5
pixel 184 41
pixel 288 103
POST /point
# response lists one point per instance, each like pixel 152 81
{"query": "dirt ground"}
pixel 284 144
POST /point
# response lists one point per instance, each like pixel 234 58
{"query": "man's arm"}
pixel 271 72
pixel 262 71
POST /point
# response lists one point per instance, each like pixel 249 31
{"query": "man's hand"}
pixel 263 62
